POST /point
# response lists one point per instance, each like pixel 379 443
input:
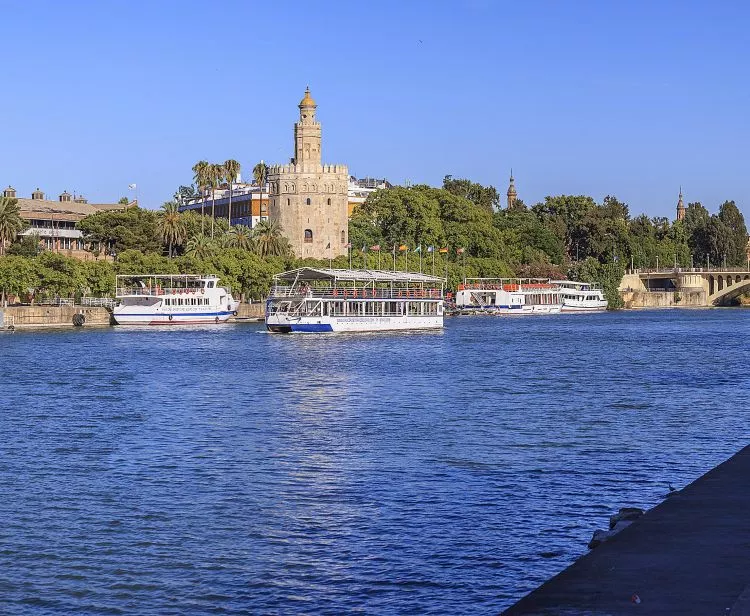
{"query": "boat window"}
pixel 210 284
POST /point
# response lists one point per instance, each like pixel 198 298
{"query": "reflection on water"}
pixel 177 471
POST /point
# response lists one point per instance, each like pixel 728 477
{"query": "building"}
pixel 55 221
pixel 680 207
pixel 309 200
pixel 249 203
pixel 360 189
pixel 512 194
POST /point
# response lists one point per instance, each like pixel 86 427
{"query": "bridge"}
pixel 720 286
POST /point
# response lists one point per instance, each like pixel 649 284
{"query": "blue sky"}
pixel 632 99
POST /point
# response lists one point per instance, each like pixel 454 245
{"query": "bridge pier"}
pixel 683 287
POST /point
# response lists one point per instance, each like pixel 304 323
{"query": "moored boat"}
pixel 514 296
pixel 338 300
pixel 152 299
pixel 581 296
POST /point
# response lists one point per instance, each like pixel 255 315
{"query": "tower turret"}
pixel 512 194
pixel 307 133
pixel 680 207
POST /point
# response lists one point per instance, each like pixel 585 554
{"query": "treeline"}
pixel 455 231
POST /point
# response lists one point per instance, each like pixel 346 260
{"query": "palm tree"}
pixel 241 237
pixel 269 241
pixel 200 246
pixel 215 175
pixel 172 227
pixel 260 173
pixel 200 177
pixel 231 171
pixel 11 223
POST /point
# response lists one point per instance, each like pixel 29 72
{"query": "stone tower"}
pixel 307 198
pixel 680 207
pixel 512 194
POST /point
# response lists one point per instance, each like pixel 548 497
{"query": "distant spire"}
pixel 680 206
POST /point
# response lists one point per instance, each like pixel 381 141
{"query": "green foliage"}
pixel 131 229
pixel 485 197
pixel 25 246
pixel 11 223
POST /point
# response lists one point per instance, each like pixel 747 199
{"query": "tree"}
pixel 734 222
pixel 201 179
pixel 241 237
pixel 11 223
pixel 200 246
pixel 231 171
pixel 485 197
pixel 17 276
pixel 260 174
pixel 132 228
pixel 184 193
pixel 171 226
pixel 215 175
pixel 268 240
pixel 25 246
pixel 124 201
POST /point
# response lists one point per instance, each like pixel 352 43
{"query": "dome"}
pixel 308 100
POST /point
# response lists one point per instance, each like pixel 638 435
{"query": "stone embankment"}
pixel 688 555
pixel 27 317
pixel 30 317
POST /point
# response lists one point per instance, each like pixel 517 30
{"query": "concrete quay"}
pixel 688 555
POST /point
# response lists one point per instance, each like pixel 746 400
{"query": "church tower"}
pixel 308 199
pixel 512 194
pixel 680 207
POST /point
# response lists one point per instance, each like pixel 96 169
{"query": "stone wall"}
pixel 256 310
pixel 55 316
pixel 695 298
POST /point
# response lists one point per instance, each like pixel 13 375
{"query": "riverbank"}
pixel 41 317
pixel 687 555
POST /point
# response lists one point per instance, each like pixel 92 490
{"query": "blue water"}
pixel 228 471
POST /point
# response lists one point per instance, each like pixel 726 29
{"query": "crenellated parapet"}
pixel 308 168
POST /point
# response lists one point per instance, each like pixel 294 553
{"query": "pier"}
pixel 688 555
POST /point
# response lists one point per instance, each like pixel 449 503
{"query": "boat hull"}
pixel 317 325
pixel 579 308
pixel 515 310
pixel 205 318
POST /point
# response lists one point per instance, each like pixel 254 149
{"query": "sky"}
pixel 632 99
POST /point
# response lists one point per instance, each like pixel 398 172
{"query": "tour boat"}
pixel 151 299
pixel 581 296
pixel 340 300
pixel 508 296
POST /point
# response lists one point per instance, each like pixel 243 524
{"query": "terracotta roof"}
pixel 64 210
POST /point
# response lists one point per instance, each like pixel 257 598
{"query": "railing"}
pixel 120 291
pixel 103 302
pixel 57 301
pixel 350 293
pixel 688 270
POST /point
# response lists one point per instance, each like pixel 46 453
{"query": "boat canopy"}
pixel 314 273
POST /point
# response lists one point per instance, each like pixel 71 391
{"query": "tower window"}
pixel 308 201
pixel 288 201
pixel 343 235
pixel 308 236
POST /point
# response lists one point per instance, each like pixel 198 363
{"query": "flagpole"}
pixel 378 259
pixel 350 255
pixel 420 258
pixel 433 260
pixel 394 257
pixel 406 255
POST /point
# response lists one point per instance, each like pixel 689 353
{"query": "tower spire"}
pixel 680 206
pixel 512 194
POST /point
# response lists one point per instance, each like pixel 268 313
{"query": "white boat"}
pixel 152 299
pixel 339 300
pixel 581 296
pixel 508 296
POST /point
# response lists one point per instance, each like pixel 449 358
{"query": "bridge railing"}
pixel 689 270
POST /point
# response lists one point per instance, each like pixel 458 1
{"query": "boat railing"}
pixel 507 287
pixel 157 290
pixel 337 293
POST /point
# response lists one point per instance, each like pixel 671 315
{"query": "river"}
pixel 228 471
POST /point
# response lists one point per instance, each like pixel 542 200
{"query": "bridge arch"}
pixel 727 288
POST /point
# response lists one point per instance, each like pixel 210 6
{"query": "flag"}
pixel 430 249
pixel 131 186
pixel 418 248
pixel 460 251
pixel 442 251
pixel 376 247
pixel 403 248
